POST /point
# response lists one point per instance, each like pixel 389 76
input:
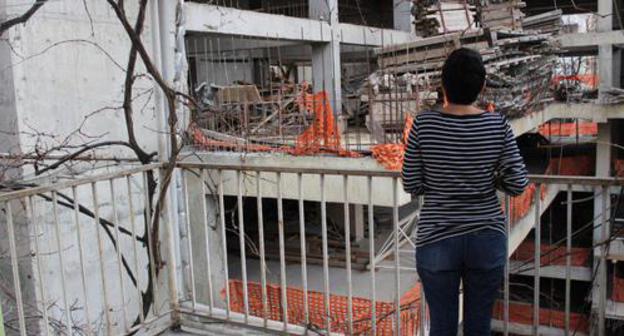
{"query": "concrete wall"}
pixel 64 71
pixel 66 68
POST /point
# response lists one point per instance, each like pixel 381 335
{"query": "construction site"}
pixel 273 203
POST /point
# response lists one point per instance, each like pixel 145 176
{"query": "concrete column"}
pixel 326 69
pixel 603 165
pixel 605 51
pixel 358 222
pixel 403 15
pixel 202 219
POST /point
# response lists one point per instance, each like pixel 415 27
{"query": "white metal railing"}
pixel 87 245
pixel 78 253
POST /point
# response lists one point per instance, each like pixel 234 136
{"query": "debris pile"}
pixel 549 22
pixel 519 64
pixel 501 14
pixel 612 96
pixel 440 17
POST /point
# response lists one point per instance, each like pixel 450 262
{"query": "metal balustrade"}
pixel 78 254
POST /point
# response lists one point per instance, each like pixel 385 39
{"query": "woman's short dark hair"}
pixel 463 76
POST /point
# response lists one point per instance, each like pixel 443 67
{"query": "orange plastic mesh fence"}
pixel 618 289
pixel 522 313
pixel 323 136
pixel 551 254
pixel 362 312
pixel 391 155
pixel 619 168
pixel 569 129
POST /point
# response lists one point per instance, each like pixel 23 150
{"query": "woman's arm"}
pixel 512 173
pixel 413 181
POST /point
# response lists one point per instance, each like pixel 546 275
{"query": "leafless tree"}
pixel 46 161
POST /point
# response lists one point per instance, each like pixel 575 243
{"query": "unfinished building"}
pixel 287 213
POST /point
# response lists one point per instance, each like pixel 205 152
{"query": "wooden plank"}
pixel 427 42
pixel 428 55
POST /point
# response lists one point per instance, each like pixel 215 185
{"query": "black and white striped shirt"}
pixel 457 163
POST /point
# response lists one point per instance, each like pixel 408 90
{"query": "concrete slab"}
pixel 593 112
pixel 334 188
pixel 551 271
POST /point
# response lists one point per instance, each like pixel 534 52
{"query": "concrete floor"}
pixel 385 277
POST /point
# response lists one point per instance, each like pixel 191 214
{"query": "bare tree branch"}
pixel 4 26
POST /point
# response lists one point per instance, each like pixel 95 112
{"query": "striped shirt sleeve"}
pixel 413 176
pixel 512 172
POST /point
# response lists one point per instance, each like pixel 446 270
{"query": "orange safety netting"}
pixel 551 254
pixel 323 136
pixel 521 205
pixel 569 166
pixel 391 155
pixel 619 168
pixel 362 312
pixel 569 129
pixel 581 165
pixel 618 289
pixel 589 79
pixel 522 313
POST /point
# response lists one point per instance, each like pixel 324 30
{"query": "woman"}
pixel 457 156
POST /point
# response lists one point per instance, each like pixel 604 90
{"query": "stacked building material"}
pixel 612 96
pixel 502 14
pixel 519 64
pixel 439 17
pixel 549 22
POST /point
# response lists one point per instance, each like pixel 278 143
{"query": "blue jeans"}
pixel 478 261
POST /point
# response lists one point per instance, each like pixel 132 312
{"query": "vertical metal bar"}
pixel 83 273
pixel 304 261
pixel 537 260
pixel 42 291
pixel 15 268
pixel 204 177
pixel 371 255
pixel 148 235
pixel 423 301
pixel 59 246
pixel 568 259
pixel 603 263
pixel 506 283
pixel 135 248
pixel 263 279
pixel 118 248
pixel 224 245
pixel 96 221
pixel 326 296
pixel 2 322
pixel 189 243
pixel 241 241
pixel 282 250
pixel 347 232
pixel 397 262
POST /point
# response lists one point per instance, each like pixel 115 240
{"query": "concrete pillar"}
pixel 204 220
pixel 605 51
pixel 326 69
pixel 603 164
pixel 403 15
pixel 358 222
pixel 603 167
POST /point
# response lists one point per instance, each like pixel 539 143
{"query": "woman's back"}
pixel 454 160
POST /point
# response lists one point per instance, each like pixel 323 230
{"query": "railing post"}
pixel 537 259
pixel 2 333
pixel 568 258
pixel 507 268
